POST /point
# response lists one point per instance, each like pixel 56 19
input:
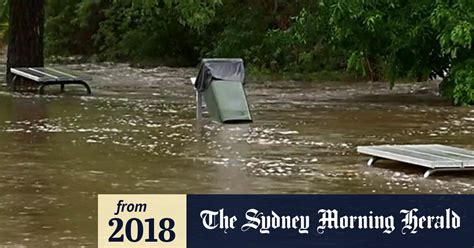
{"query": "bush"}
pixel 458 86
pixel 381 40
pixel 295 42
pixel 132 32
pixel 82 18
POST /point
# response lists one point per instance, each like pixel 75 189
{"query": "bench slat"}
pixel 432 156
pixel 60 76
pixel 69 73
pixel 33 75
pixel 49 74
pixel 41 71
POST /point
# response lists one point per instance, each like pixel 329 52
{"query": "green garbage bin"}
pixel 226 102
pixel 221 83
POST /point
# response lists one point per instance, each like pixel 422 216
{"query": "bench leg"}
pixel 41 89
pixel 13 86
pixel 86 86
pixel 372 161
pixel 62 88
pixel 432 171
pixel 428 173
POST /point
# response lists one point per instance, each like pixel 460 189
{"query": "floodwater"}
pixel 138 134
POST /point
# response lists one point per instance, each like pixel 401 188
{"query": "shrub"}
pixel 458 86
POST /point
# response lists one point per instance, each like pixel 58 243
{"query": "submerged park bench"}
pixel 434 157
pixel 45 76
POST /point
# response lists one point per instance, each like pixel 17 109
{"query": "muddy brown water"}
pixel 137 134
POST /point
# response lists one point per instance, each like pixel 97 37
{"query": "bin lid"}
pixel 219 69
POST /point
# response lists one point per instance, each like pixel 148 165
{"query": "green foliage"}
pixel 454 25
pixel 70 25
pixel 3 20
pixel 148 30
pixel 356 62
pixel 294 40
pixel 377 39
pixel 133 32
pixel 299 48
pixel 386 39
pixel 416 39
pixel 459 85
pixel 234 32
pixel 193 13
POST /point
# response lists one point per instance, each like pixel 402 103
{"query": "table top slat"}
pixel 433 156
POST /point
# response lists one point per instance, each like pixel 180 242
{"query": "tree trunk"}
pixel 25 44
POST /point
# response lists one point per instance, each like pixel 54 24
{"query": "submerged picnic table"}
pixel 45 76
pixel 434 157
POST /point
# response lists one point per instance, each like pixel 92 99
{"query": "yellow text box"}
pixel 142 221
